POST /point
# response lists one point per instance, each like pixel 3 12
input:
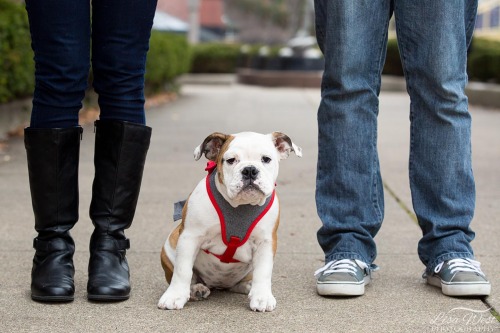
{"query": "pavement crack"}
pixel 490 307
pixel 401 204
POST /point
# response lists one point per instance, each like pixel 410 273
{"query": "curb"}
pixel 271 78
pixel 209 79
pixel 17 113
pixel 13 115
pixel 481 94
pixel 478 93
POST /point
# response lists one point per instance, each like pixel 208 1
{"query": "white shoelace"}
pixel 461 265
pixel 341 266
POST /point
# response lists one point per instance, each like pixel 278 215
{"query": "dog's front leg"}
pixel 178 292
pixel 261 296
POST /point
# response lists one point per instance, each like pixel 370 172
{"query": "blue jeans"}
pixel 433 37
pixel 61 33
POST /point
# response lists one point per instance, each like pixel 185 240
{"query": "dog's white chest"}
pixel 216 274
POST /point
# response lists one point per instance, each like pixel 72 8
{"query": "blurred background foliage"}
pixel 171 55
pixel 16 56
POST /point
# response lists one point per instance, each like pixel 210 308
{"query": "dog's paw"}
pixel 262 302
pixel 199 292
pixel 172 300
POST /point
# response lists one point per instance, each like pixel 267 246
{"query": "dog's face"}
pixel 247 163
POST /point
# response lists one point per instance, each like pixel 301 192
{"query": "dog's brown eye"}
pixel 230 161
pixel 266 159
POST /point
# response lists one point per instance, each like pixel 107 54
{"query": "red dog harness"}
pixel 234 218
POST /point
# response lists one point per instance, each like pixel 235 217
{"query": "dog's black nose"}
pixel 250 173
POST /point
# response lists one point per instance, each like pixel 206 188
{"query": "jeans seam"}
pixel 471 20
pixel 376 169
pixel 404 60
pixel 375 201
pixel 382 50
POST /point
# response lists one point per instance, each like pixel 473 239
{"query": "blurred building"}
pixel 247 21
pixel 488 19
pixel 266 21
pixel 173 15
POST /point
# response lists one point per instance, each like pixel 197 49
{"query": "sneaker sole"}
pixel 330 289
pixel 341 289
pixel 462 289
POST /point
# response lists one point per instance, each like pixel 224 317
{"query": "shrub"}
pixel 169 56
pixel 484 60
pixel 16 56
pixel 215 58
pixel 247 55
pixel 392 64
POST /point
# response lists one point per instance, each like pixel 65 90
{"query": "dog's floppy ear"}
pixel 284 145
pixel 211 146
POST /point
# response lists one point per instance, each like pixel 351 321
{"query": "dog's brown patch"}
pixel 222 151
pixel 212 145
pixel 174 236
pixel 167 265
pixel 247 278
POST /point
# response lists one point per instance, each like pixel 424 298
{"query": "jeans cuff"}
pixel 447 256
pixel 346 255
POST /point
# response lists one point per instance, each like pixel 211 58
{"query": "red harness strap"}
pixel 227 256
pixel 234 242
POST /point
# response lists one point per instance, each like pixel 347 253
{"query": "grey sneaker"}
pixel 344 277
pixel 459 277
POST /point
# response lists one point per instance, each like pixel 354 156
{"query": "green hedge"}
pixel 169 56
pixel 218 57
pixel 484 60
pixel 483 63
pixel 215 58
pixel 16 56
pixel 392 61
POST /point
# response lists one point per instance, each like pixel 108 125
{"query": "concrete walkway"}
pixel 397 301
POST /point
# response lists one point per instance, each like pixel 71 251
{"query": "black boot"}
pixel 53 156
pixel 120 154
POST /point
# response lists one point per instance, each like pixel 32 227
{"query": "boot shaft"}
pixel 53 157
pixel 120 154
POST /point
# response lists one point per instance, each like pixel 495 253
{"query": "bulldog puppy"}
pixel 227 237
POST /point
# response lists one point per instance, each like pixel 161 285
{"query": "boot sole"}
pixel 53 298
pixel 107 298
